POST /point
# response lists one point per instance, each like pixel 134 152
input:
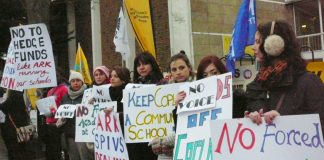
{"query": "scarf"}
pixel 116 93
pixel 270 76
pixel 75 94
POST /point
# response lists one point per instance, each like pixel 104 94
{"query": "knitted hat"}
pixel 76 75
pixel 104 69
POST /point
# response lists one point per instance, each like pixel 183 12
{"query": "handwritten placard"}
pixel 109 142
pixel 148 112
pixel 101 93
pixel 199 95
pixel 224 95
pixel 30 61
pixel 297 137
pixel 44 105
pixel 86 115
pixel 65 111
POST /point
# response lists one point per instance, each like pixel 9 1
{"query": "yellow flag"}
pixel 140 16
pixel 317 68
pixel 81 65
pixel 227 43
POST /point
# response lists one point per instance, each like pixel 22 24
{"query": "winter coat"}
pixel 69 127
pixel 303 94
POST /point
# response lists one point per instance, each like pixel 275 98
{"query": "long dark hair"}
pixel 147 58
pixel 291 53
pixel 206 61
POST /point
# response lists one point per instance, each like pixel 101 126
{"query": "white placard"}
pixel 44 105
pixel 65 111
pixel 30 62
pixel 148 112
pixel 109 142
pixel 86 115
pixel 200 94
pixel 133 85
pixel 101 93
pixel 296 137
pixel 87 96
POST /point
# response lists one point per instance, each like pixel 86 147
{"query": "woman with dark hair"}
pixel 283 86
pixel 209 66
pixel 146 69
pixel 120 77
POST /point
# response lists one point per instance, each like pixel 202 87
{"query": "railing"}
pixel 312 40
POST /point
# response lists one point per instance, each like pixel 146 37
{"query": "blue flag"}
pixel 243 33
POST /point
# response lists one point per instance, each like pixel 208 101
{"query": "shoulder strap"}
pixel 12 121
pixel 279 104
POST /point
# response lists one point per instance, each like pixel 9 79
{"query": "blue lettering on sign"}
pixel 193 119
pixel 293 137
pixel 140 100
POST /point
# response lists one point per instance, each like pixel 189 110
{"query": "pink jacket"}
pixel 59 92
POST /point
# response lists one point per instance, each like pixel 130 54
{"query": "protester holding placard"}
pixel 211 65
pixel 181 71
pixel 16 116
pixel 283 86
pixel 52 135
pixel 101 75
pixel 120 77
pixel 76 150
pixel 146 70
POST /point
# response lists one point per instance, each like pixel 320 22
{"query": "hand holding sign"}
pixel 44 105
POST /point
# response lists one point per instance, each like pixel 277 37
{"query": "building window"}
pixel 307 17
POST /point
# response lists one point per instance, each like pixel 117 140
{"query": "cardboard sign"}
pixel 44 105
pixel 224 95
pixel 199 95
pixel 86 115
pixel 101 93
pixel 30 61
pixel 109 142
pixel 289 137
pixel 65 111
pixel 148 112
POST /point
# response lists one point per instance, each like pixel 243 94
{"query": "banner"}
pixel 297 137
pixel 148 112
pixel 81 65
pixel 317 68
pixel 121 37
pixel 65 111
pixel 200 94
pixel 109 143
pixel 243 33
pixel 85 119
pixel 30 62
pixel 44 105
pixel 190 142
pixel 140 16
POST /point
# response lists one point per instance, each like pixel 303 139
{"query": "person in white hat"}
pixel 76 150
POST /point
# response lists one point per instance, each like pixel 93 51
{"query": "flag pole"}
pixel 79 49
